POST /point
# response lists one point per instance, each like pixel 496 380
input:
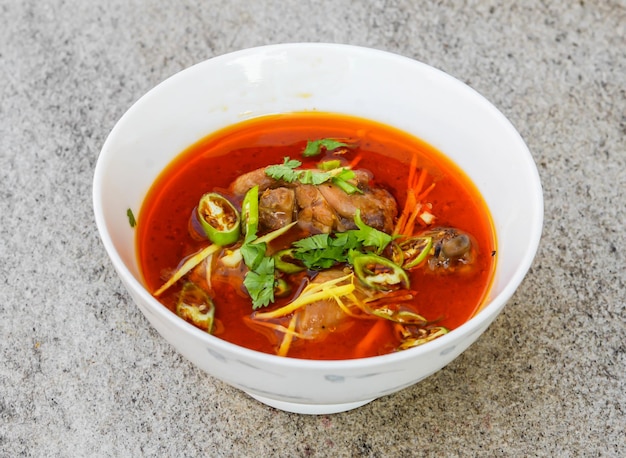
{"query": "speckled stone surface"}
pixel 83 374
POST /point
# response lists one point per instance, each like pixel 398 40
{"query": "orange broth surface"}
pixel 211 164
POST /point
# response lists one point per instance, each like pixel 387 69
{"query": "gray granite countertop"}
pixel 83 374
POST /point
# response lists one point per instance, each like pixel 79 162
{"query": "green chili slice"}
pixel 378 272
pixel 397 255
pixel 286 262
pixel 250 213
pixel 329 165
pixel 399 316
pixel 415 250
pixel 281 288
pixel 219 219
pixel 196 307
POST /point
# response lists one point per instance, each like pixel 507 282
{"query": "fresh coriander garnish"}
pixel 285 171
pixel 253 254
pixel 315 147
pixel 370 236
pixel 260 283
pixel 260 280
pixel 322 251
pixel 314 177
pixel 288 171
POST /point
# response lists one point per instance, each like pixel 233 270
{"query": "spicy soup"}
pixel 361 239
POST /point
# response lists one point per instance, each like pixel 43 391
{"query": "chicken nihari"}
pixel 317 236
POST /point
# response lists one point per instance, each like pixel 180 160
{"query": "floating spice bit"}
pixel 196 307
pixel 219 219
pixel 419 336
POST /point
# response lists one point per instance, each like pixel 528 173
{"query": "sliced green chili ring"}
pixel 196 307
pixel 379 273
pixel 415 250
pixel 408 317
pixel 397 255
pixel 329 165
pixel 219 219
pixel 250 213
pixel 286 262
pixel 399 316
pixel 281 288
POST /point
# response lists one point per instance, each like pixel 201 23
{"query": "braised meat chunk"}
pixel 276 208
pixel 247 181
pixel 322 208
pixel 378 207
pixel 314 213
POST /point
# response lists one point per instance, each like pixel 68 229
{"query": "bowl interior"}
pixel 330 78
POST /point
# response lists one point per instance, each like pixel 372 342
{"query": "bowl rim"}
pixel 483 317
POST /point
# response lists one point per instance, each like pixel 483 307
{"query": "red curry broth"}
pixel 214 162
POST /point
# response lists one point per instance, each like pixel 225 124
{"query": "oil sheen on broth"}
pixel 329 237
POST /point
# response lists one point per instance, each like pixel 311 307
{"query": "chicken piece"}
pixel 314 213
pixel 321 317
pixel 276 208
pixel 324 208
pixel 247 181
pixel 378 207
pixel 361 179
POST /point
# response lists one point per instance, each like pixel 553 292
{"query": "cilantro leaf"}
pixel 322 251
pixel 287 172
pixel 314 177
pixel 260 283
pixel 370 236
pixel 315 252
pixel 314 242
pixel 284 171
pixel 315 147
pixel 348 240
pixel 253 254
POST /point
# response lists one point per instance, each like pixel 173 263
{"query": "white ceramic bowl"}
pixel 332 78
